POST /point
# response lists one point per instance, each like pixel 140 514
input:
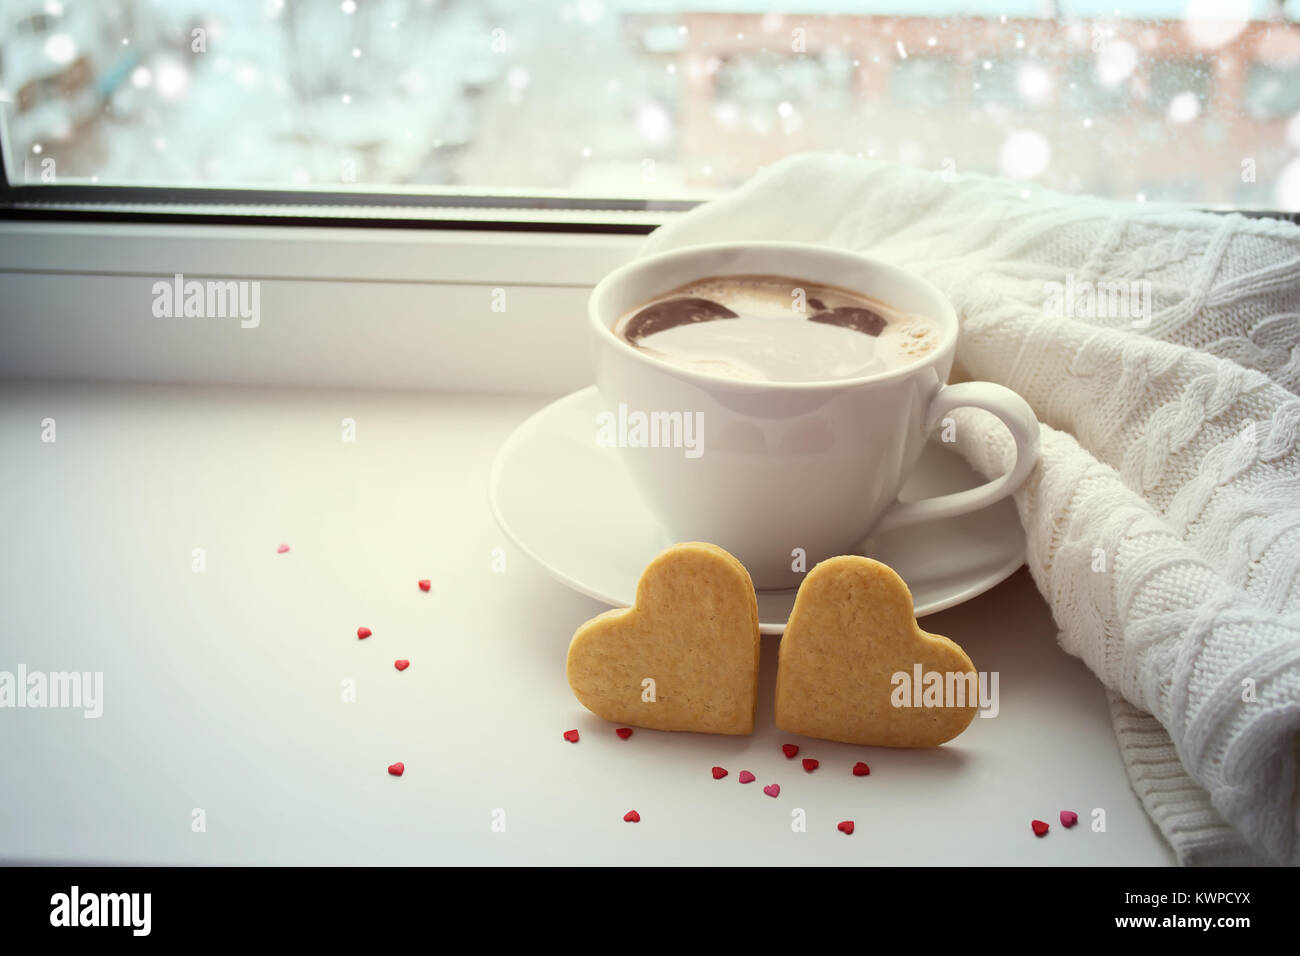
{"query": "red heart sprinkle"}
pixel 719 773
pixel 1040 828
pixel 772 790
pixel 363 633
pixel 809 764
pixel 397 769
pixel 860 769
pixel 845 826
pixel 789 750
pixel 425 584
pixel 571 736
pixel 401 665
pixel 624 732
pixel 631 817
pixel 1069 818
pixel 282 549
pixel 746 777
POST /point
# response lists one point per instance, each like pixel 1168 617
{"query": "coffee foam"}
pixel 770 340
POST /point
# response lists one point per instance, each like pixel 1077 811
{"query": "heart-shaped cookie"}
pixel 855 667
pixel 684 656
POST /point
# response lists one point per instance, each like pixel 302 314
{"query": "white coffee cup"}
pixel 783 466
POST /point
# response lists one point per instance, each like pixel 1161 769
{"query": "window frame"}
pixel 386 207
pixel 378 208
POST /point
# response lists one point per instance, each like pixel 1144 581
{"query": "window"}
pixel 637 104
pixel 922 82
pixel 1099 86
pixel 998 82
pixel 1180 87
pixel 1273 91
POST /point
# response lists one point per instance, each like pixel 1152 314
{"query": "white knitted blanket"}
pixel 1164 519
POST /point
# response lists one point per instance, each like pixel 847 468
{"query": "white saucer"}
pixel 569 505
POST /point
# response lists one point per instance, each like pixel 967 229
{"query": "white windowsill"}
pixel 222 689
pixel 397 308
pixel 142 474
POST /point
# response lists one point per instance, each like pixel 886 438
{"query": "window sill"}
pixel 392 308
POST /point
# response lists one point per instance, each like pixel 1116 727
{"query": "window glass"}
pixel 1195 100
pixel 1272 91
pixel 922 82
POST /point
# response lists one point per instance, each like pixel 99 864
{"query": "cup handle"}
pixel 1014 412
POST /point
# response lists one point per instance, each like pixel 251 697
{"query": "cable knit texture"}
pixel 1164 518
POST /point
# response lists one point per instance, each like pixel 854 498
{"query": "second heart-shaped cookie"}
pixel 855 667
pixel 684 656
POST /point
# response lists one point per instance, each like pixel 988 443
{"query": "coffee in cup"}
pixel 776 329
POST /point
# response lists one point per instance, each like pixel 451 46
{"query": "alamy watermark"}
pixel 56 689
pixel 128 910
pixel 1086 299
pixel 923 688
pixel 211 299
pixel 637 429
